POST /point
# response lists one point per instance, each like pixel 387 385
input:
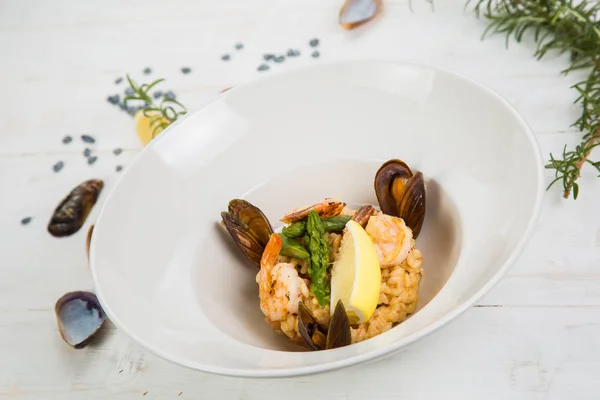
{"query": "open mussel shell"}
pixel 401 193
pixel 338 334
pixel 72 211
pixel 253 218
pixel 246 241
pixel 354 13
pixel 79 316
pixel 309 329
pixel 411 205
pixel 248 227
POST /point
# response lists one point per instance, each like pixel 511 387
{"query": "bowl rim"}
pixel 374 354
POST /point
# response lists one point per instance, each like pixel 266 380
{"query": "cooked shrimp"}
pixel 391 237
pixel 279 287
pixel 327 208
pixel 363 214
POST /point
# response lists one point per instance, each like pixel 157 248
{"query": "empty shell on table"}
pixel 357 12
pixel 79 316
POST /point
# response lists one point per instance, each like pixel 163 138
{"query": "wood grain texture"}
pixel 536 335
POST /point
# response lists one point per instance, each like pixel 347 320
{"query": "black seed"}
pixel 129 91
pixel 92 160
pixel 186 70
pixel 26 220
pixel 88 139
pixel 263 67
pixel 119 168
pixel 58 166
pixel 132 110
pixel 279 59
pixel 239 46
pixel 117 151
pixel 225 57
pixel 114 99
pixel 268 57
pixel 67 139
pixel 147 71
pixel 123 106
pixel 118 80
pixel 314 43
pixel 293 53
pixel 315 54
pixel 157 94
pixel 170 95
pixel 87 152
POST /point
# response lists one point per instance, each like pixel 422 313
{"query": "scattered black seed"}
pixel 25 220
pixel 117 151
pixel 88 139
pixel 293 53
pixel 114 99
pixel 129 92
pixel 132 110
pixel 87 152
pixel 314 43
pixel 92 160
pixel 170 95
pixel 58 166
pixel 315 54
pixel 118 80
pixel 263 67
pixel 157 94
pixel 279 59
pixel 225 57
pixel 268 57
pixel 147 71
pixel 123 106
pixel 239 46
pixel 119 168
pixel 67 139
pixel 186 70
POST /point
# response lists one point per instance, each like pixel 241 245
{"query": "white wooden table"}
pixel 535 336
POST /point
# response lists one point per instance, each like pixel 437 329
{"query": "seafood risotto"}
pixel 335 275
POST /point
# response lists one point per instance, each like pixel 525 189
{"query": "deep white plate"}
pixel 168 275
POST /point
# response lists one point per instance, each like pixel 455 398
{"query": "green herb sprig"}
pixel 161 114
pixel 566 27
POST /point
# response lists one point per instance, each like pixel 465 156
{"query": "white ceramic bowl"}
pixel 169 276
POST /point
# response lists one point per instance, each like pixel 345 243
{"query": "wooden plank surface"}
pixel 534 336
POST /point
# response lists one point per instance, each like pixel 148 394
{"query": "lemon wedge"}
pixel 356 275
pixel 143 127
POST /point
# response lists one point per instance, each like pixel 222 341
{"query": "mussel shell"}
pixel 245 239
pixel 386 191
pixel 253 218
pixel 72 211
pixel 79 316
pixel 88 240
pixel 411 205
pixel 309 329
pixel 338 334
pixel 357 12
pixel 401 193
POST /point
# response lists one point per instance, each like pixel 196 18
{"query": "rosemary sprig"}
pixel 161 114
pixel 569 27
